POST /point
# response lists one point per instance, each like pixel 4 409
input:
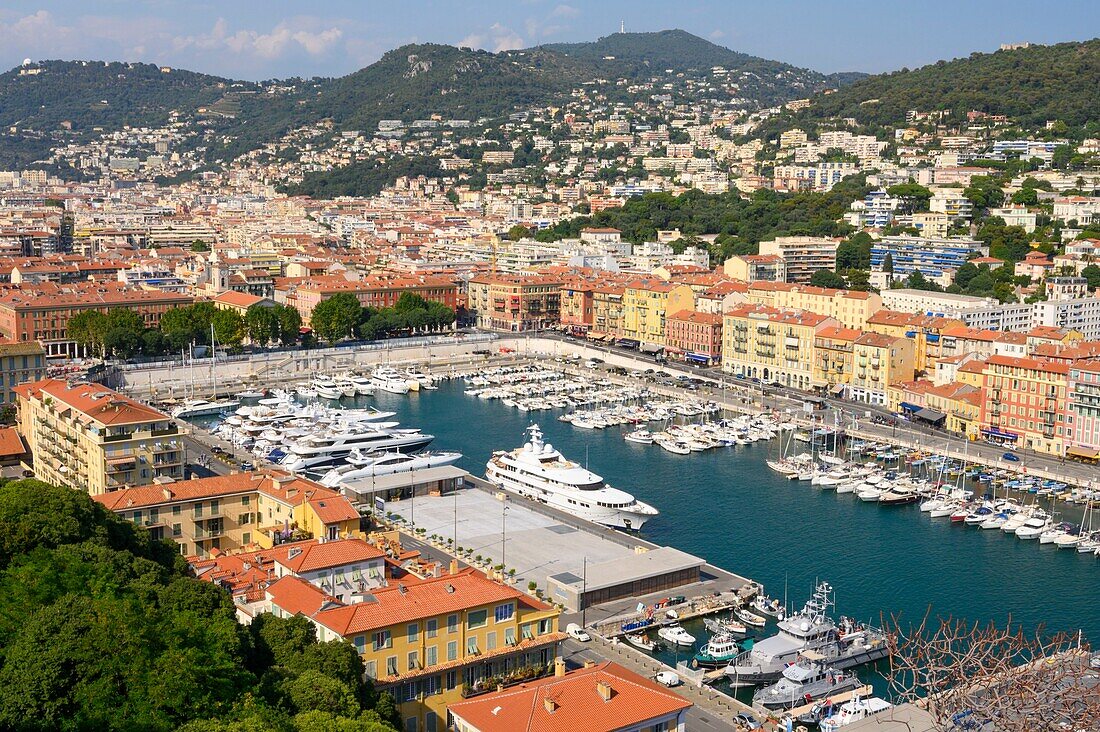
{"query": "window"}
pixel 477 619
pixel 471 646
pixel 410 724
pixel 382 639
pixel 491 641
pixel 432 686
pixel 528 631
pixel 176 510
pixel 544 626
pixel 246 500
pixel 360 644
pixel 413 632
pixel 246 538
pixel 452 651
pixel 452 623
pixel 431 721
pixel 391 665
pixel 510 636
pixel 370 668
pixel 452 680
pixel 414 660
pixel 431 628
pixel 431 656
pixel 505 612
pixel 177 530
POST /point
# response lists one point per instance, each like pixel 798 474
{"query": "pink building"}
pixel 694 335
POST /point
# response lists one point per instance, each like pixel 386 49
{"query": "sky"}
pixel 278 38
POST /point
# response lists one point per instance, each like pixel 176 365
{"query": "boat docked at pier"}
pixel 842 644
pixel 330 447
pixel 807 680
pixel 370 465
pixel 204 408
pixel 540 472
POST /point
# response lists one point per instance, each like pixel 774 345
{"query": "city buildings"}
pixel 231 512
pixel 515 303
pixel 695 336
pixel 1023 400
pixel 802 255
pixel 88 437
pixel 772 345
pixel 19 363
pixel 895 257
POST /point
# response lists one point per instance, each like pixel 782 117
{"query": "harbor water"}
pixel 726 506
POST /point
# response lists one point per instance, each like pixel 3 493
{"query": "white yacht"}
pixel 204 408
pixel 328 448
pixel 538 471
pixel 369 465
pixel 387 379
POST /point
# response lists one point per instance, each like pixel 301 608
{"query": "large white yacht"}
pixel 328 448
pixel 538 471
pixel 373 464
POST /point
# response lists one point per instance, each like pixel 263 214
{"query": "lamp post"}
pixel 503 531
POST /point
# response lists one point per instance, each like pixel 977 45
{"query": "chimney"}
pixel 167 493
pixel 589 664
pixel 550 704
pixel 604 690
pixel 559 667
pixel 453 569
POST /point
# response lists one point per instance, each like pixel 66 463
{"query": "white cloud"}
pixel 496 38
pixel 715 35
pixel 564 11
pixel 268 45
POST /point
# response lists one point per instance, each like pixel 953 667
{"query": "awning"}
pixel 998 432
pixel 931 415
pixel 907 407
pixel 651 348
pixel 839 389
pixel 1083 452
pixel 697 357
pixel 628 342
pixel 595 335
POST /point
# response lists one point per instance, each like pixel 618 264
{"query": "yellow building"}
pixel 646 304
pixel 833 357
pixel 771 344
pixel 878 361
pixel 962 406
pixel 90 438
pixel 229 512
pixel 434 641
pixel 607 311
pixel 851 308
pixel 926 331
pixel 20 362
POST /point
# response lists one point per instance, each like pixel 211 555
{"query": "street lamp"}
pixel 503 530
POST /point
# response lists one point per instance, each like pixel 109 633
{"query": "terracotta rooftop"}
pixel 310 556
pixel 96 402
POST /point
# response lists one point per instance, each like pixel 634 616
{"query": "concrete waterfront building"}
pixel 937 259
pixel 934 303
pixel 696 336
pixel 834 357
pixel 851 307
pixel 646 306
pixel 1023 402
pixel 515 303
pixel 1082 411
pixel 802 255
pixel 88 437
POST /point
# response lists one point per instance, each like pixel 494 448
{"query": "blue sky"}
pixel 262 40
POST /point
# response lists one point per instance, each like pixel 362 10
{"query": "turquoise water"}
pixel 726 506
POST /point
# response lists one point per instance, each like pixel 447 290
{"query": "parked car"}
pixel 1011 457
pixel 577 633
pixel 668 678
pixel 247 465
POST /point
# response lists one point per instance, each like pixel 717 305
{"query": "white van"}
pixel 577 633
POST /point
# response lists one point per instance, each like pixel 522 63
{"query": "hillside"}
pixel 102 94
pixel 647 54
pixel 1033 85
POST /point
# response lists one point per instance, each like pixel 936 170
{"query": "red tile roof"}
pixel 11 444
pixel 576 702
pixel 95 401
pixel 311 556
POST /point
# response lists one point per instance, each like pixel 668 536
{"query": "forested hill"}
pixel 90 94
pixel 1032 85
pixel 647 54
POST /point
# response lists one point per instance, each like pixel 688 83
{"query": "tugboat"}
pixel 804 682
pixel 842 644
pixel 718 651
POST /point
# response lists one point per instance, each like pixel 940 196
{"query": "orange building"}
pixel 1023 403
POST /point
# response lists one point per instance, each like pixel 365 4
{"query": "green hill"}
pixel 1033 85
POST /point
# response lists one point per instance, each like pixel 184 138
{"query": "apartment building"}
pixel 877 361
pixel 1079 314
pixel 834 357
pixel 926 332
pixel 228 513
pixel 951 203
pixel 646 304
pixel 802 255
pixel 934 303
pixel 607 311
pixel 568 701
pixel 819 177
pixel 432 642
pixel 377 292
pixel 851 307
pixel 934 258
pixel 1082 411
pixel 1023 402
pixel 576 309
pixel 20 363
pixel 695 336
pixel 90 438
pixel 515 303
pixel 771 344
pixel 756 268
pixel 42 312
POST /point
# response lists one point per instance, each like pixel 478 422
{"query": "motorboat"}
pixel 854 710
pixel 325 388
pixel 370 465
pixel 642 437
pixel 807 680
pixel 641 640
pixel 748 617
pixel 768 606
pixel 389 380
pixel 676 635
pixel 843 644
pixel 538 471
pixel 204 408
pixel 328 447
pixel 1033 527
pixel 717 652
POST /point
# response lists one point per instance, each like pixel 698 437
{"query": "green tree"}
pixel 1092 274
pixel 854 252
pixel 915 197
pixel 337 317
pixel 827 278
pixel 888 263
pixel 313 691
pixel 1026 197
pixel 517 232
pixel 984 192
pixel 290 324
pixel 88 329
pixel 261 324
pixel 228 328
